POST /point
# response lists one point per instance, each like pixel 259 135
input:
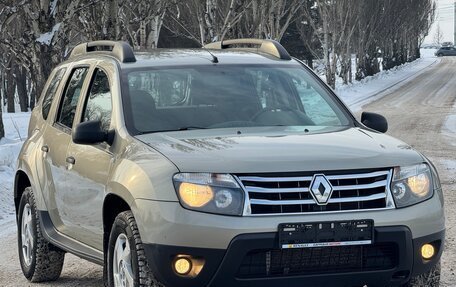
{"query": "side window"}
pixel 72 94
pixel 50 92
pixel 98 104
pixel 315 106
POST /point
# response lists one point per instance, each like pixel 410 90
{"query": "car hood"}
pixel 280 149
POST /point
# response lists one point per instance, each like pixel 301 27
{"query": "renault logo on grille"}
pixel 321 189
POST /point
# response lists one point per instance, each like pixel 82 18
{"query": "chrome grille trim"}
pixel 311 201
pixel 274 179
pixel 361 186
pixel 362 190
pixel 309 178
pixel 275 190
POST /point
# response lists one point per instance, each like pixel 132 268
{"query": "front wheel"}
pixel 127 264
pixel 428 279
pixel 40 260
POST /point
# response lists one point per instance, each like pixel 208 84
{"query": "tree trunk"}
pixel 10 90
pixel 2 130
pixel 21 83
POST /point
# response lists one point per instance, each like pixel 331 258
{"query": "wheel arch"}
pixel 21 181
pixel 113 205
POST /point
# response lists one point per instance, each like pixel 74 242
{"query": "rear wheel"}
pixel 428 279
pixel 440 55
pixel 127 264
pixel 40 261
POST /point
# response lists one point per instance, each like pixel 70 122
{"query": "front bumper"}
pixel 223 267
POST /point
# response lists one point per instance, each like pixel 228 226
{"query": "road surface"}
pixel 416 113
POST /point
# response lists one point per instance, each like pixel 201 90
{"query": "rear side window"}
pixel 98 105
pixel 71 98
pixel 50 92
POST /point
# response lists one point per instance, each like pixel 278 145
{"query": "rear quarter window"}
pixel 50 92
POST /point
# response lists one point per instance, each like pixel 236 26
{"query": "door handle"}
pixel 45 148
pixel 70 160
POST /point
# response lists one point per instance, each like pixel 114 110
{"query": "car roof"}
pixel 184 57
pixel 266 52
pixel 180 57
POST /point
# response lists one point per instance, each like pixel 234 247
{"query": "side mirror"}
pixel 91 133
pixel 374 121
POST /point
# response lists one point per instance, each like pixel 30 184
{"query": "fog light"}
pixel 427 251
pixel 183 266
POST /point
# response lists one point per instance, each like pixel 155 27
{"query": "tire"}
pixel 40 260
pixel 428 279
pixel 125 243
pixel 440 55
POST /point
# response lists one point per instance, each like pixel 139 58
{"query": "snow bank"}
pixel 363 92
pixel 15 133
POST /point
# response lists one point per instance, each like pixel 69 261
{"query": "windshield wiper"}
pixel 191 128
pixel 172 130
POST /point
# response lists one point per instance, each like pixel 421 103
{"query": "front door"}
pixel 57 138
pixel 89 167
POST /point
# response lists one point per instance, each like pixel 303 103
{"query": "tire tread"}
pixel 48 263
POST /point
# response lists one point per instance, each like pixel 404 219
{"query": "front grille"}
pixel 272 194
pixel 309 261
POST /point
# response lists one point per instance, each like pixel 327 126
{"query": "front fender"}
pixel 143 173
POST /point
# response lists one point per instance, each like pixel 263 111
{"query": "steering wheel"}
pixel 271 109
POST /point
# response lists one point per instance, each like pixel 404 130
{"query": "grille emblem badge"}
pixel 321 189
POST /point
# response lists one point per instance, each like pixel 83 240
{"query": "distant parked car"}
pixel 430 46
pixel 446 51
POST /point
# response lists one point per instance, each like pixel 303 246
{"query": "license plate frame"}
pixel 326 234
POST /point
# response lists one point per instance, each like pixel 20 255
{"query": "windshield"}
pixel 227 96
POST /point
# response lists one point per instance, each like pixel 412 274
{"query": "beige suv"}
pixel 231 165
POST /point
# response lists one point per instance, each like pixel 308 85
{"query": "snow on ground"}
pixel 374 87
pixel 15 133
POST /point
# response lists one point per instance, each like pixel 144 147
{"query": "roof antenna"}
pixel 214 58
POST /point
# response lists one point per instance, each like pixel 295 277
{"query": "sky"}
pixel 445 18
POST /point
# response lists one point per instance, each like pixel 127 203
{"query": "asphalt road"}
pixel 416 113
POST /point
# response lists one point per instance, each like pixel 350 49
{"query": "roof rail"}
pixel 120 50
pixel 270 47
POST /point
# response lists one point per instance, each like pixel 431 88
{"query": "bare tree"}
pixel 37 34
pixel 438 36
pixel 39 42
pixel 143 21
pixel 269 18
pixel 208 20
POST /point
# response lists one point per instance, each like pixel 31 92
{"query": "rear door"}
pixel 87 174
pixel 46 157
pixel 55 144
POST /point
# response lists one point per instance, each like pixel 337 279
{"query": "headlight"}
pixel 412 184
pixel 208 192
